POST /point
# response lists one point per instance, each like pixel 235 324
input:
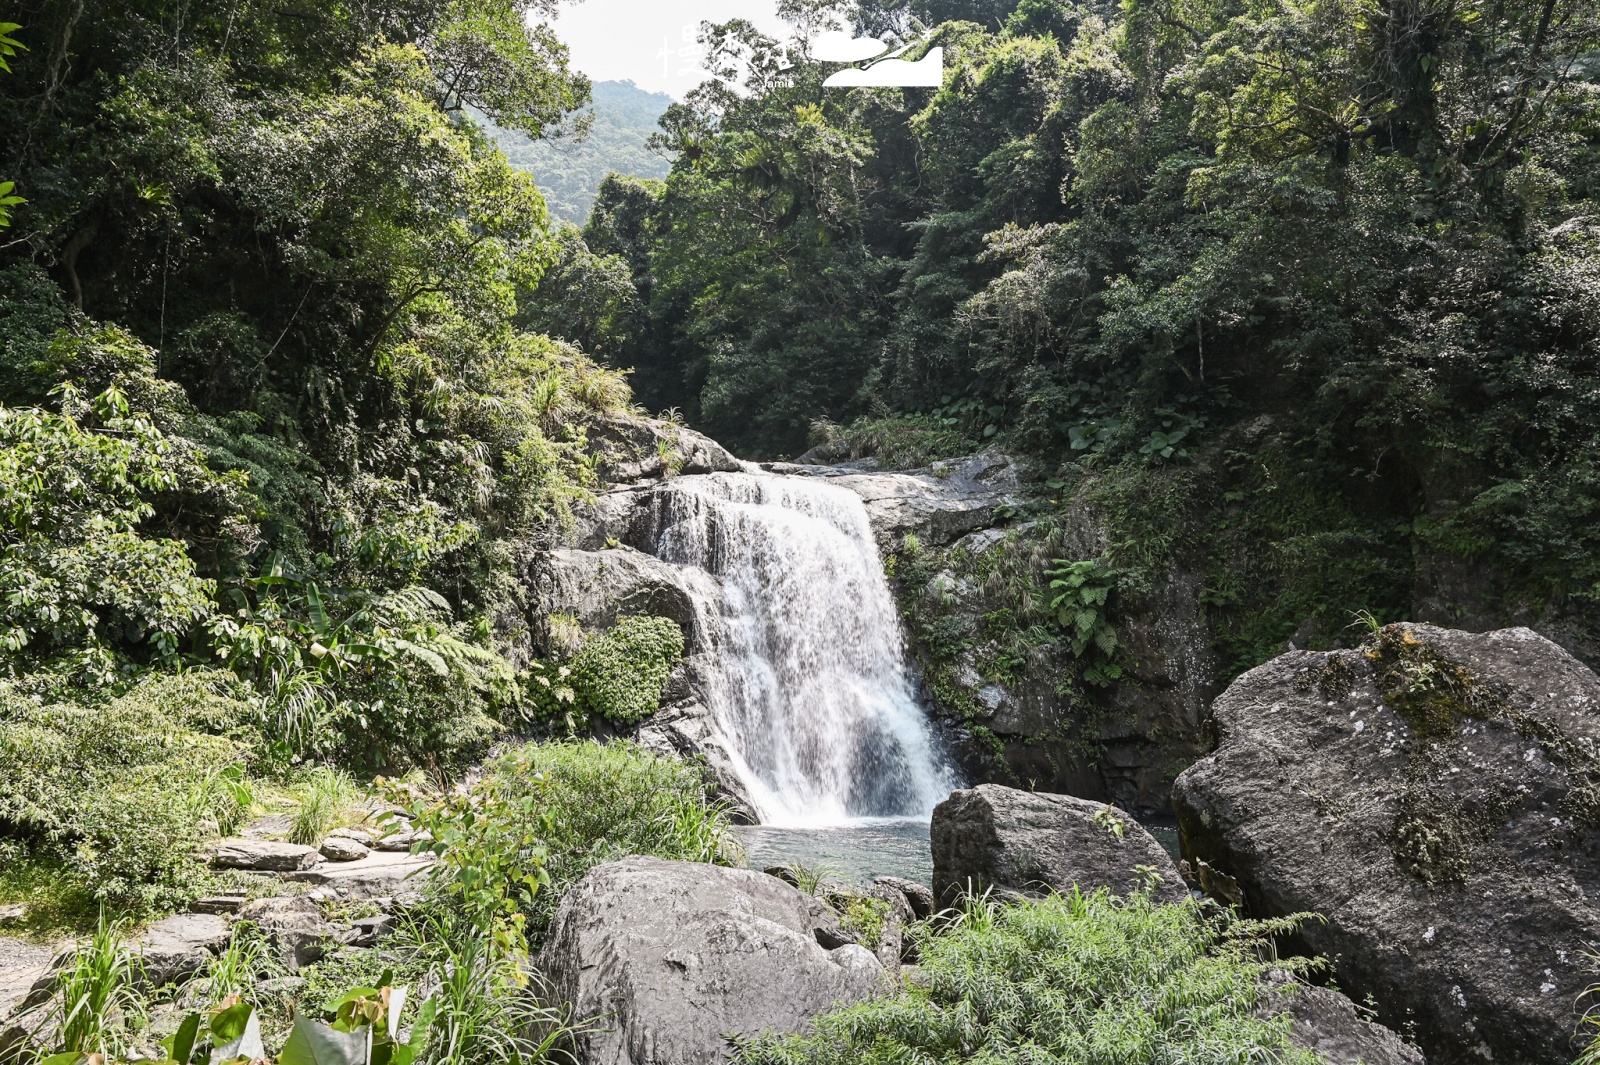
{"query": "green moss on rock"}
pixel 1431 693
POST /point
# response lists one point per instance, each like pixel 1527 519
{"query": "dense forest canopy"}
pixel 1302 293
pixel 264 404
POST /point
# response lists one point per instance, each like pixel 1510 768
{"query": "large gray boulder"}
pixel 1434 796
pixel 1030 842
pixel 598 587
pixel 177 947
pixel 634 449
pixel 671 957
pixel 295 927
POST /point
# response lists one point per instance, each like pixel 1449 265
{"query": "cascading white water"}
pixel 805 672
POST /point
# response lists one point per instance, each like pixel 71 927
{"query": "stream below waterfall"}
pixel 855 853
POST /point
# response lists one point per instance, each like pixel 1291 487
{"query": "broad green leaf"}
pixel 412 1049
pixel 314 1043
pixel 180 1044
pixel 247 1044
pixel 230 1024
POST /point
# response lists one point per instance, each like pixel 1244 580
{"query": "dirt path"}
pixel 21 963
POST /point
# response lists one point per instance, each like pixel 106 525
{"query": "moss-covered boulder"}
pixel 1436 795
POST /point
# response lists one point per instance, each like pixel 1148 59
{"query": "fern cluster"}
pixel 1068 979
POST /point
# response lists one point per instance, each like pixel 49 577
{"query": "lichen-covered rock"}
pixel 672 957
pixel 1031 842
pixel 634 449
pixel 1326 1022
pixel 1435 797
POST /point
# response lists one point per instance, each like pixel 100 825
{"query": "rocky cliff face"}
pixel 970 572
pixel 1434 796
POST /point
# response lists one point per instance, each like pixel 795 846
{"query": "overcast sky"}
pixel 651 42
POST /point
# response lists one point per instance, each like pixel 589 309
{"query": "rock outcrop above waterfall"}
pixel 1031 842
pixel 938 505
pixel 599 586
pixel 672 957
pixel 638 449
pixel 1434 796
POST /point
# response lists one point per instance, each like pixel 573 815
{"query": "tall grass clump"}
pixel 1069 979
pixel 487 1011
pixel 246 961
pixel 324 796
pixel 96 1001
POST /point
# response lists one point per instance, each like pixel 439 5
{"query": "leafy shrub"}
pixel 380 679
pixel 545 814
pixel 617 675
pixel 1093 979
pixel 118 789
pixel 96 998
pixel 900 442
pixel 1081 591
pixel 620 673
pixel 74 571
pixel 487 1013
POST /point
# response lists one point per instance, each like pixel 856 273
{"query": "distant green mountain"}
pixel 568 174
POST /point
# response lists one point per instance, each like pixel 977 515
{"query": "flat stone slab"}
pixel 272 826
pixel 379 873
pixel 181 945
pixel 217 904
pixel 263 854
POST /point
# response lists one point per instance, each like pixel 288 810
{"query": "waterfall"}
pixel 804 668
